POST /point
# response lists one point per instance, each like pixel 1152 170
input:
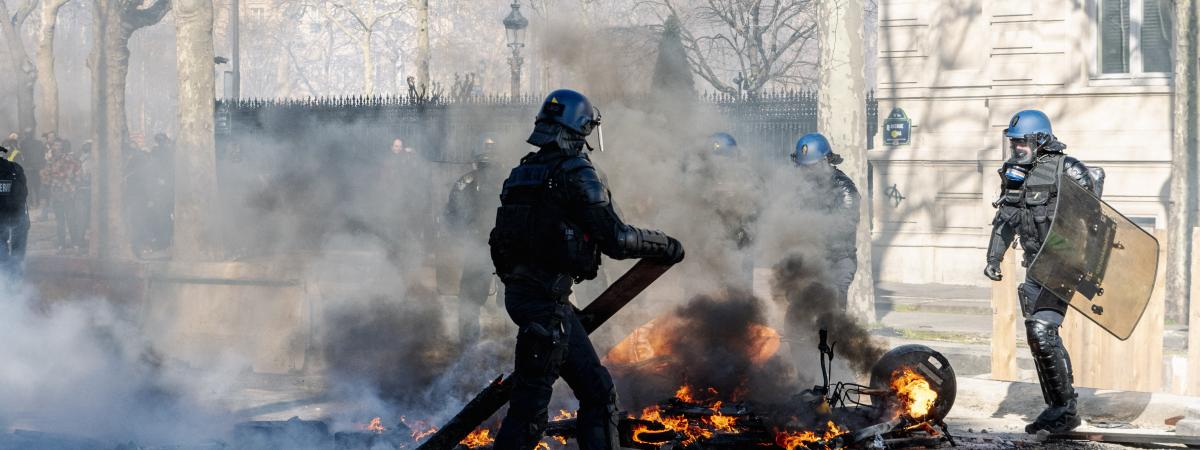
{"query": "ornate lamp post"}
pixel 514 27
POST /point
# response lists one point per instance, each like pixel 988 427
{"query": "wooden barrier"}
pixel 1104 362
pixel 1005 315
pixel 1193 373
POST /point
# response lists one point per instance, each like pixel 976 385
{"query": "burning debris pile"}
pixel 906 407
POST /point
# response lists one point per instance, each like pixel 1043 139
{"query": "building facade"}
pixel 959 70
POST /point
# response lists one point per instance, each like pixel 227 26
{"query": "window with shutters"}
pixel 1133 37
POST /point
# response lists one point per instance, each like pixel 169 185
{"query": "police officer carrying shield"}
pixel 1029 195
pixel 837 195
pixel 14 218
pixel 470 210
pixel 556 218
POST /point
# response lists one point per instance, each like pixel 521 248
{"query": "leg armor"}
pixel 541 348
pixel 593 386
pixel 1054 373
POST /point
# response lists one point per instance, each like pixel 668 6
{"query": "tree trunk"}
pixel 115 22
pixel 423 53
pixel 368 65
pixel 1181 210
pixel 46 78
pixel 195 163
pixel 99 163
pixel 842 117
pixel 24 71
pixel 116 135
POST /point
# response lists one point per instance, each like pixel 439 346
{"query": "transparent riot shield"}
pixel 1097 260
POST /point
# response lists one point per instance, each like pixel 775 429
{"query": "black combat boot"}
pixel 1054 373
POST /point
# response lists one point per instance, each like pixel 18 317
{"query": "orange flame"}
pixel 564 415
pixel 792 440
pixel 542 446
pixel 478 438
pixel 420 429
pixel 721 422
pixel 684 393
pixel 679 424
pixel 560 439
pixel 914 391
pixel 376 425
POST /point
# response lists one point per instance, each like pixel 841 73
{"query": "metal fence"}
pixel 441 126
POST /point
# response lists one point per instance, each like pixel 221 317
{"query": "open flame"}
pixel 653 340
pixel 478 438
pixel 564 415
pixel 915 394
pixel 792 440
pixel 721 422
pixel 376 425
pixel 684 394
pixel 420 429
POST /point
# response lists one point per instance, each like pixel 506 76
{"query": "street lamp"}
pixel 514 30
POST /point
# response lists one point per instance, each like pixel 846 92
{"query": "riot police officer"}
pixel 835 194
pixel 470 210
pixel 734 190
pixel 14 218
pixel 1026 209
pixel 556 218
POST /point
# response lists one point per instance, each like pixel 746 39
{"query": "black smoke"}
pixel 813 304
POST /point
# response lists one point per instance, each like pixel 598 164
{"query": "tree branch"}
pixel 138 18
pixel 23 12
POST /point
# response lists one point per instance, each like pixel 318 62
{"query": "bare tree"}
pixel 115 21
pixel 46 78
pixel 738 46
pixel 359 20
pixel 24 71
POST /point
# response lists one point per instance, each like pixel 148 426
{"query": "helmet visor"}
pixel 1018 150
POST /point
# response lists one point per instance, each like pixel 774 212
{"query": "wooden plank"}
pixel 1102 361
pixel 1119 437
pixel 1193 373
pixel 1005 314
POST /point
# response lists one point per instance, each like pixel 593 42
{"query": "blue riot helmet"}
pixel 571 110
pixel 1027 132
pixel 811 148
pixel 723 144
pixel 482 153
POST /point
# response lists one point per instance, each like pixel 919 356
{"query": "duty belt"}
pixel 559 284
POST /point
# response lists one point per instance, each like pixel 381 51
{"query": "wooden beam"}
pixel 1005 314
pixel 1193 373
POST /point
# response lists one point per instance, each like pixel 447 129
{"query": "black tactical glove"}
pixel 674 252
pixel 993 271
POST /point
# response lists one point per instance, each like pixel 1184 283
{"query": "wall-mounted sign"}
pixel 897 128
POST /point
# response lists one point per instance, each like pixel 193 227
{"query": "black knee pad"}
pixel 1042 336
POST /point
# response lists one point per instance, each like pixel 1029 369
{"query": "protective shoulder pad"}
pixel 575 163
pixel 526 175
pixel 843 182
pixel 586 183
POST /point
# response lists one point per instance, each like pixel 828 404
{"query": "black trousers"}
pixel 14 234
pixel 472 295
pixel 552 343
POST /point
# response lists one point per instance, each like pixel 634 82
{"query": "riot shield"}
pixel 1097 260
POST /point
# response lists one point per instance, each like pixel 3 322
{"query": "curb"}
pixel 984 398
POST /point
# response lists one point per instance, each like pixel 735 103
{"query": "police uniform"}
pixel 837 196
pixel 1026 210
pixel 14 219
pixel 556 218
pixel 470 209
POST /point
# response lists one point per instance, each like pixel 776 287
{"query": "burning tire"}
pixel 923 361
